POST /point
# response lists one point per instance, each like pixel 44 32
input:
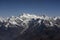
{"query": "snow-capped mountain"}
pixel 23 26
pixel 25 18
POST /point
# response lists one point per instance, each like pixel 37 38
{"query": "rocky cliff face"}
pixel 30 27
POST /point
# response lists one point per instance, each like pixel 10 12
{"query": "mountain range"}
pixel 30 27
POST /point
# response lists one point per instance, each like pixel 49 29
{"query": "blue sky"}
pixel 39 7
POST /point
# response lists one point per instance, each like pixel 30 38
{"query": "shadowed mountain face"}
pixel 30 27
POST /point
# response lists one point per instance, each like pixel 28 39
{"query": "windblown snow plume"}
pixel 30 27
